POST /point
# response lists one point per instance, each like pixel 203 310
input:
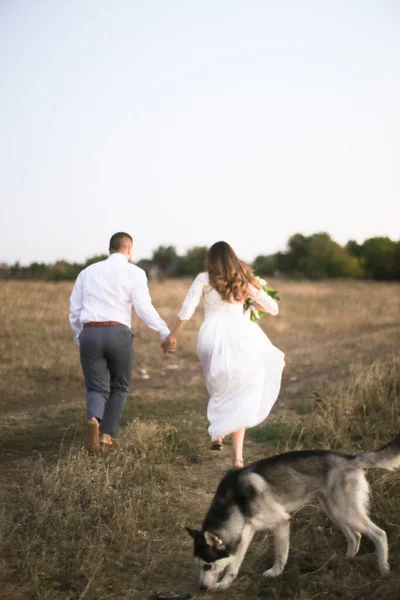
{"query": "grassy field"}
pixel 74 527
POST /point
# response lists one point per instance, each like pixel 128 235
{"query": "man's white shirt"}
pixel 106 291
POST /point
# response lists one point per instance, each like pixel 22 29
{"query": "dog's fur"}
pixel 262 495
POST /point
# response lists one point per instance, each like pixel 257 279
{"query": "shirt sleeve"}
pixel 75 307
pixel 266 302
pixel 141 300
pixel 192 299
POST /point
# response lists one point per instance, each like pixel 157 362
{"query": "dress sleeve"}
pixel 266 302
pixel 193 298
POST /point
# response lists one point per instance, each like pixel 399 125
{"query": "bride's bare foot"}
pixel 217 444
pixel 238 463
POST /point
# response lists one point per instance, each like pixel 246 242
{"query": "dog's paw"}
pixel 354 545
pixel 272 572
pixel 385 570
pixel 227 580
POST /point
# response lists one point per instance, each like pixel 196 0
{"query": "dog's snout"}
pixel 203 587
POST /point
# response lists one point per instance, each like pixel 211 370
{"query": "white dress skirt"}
pixel 242 368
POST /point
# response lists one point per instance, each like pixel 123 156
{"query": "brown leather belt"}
pixel 101 323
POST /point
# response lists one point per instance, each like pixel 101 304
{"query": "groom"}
pixel 100 315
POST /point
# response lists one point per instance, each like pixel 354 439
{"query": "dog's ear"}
pixel 192 532
pixel 213 540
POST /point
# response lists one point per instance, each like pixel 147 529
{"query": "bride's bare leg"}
pixel 237 443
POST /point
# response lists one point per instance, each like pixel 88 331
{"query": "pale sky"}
pixel 185 122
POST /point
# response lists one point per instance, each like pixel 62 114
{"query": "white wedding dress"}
pixel 242 368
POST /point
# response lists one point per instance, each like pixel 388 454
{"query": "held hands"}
pixel 169 344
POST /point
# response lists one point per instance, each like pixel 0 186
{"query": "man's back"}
pixel 107 289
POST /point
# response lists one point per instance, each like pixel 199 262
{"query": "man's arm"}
pixel 143 305
pixel 75 307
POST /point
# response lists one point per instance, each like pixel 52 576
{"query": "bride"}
pixel 241 366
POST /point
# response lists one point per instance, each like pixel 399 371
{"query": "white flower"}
pixel 262 282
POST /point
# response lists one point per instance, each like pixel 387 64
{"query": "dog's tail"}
pixel 387 457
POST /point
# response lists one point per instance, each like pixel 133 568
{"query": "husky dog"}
pixel 262 495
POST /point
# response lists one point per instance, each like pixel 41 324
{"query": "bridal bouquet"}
pixel 254 313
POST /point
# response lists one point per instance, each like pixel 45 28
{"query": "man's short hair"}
pixel 119 240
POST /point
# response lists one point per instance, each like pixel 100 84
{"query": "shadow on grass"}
pixel 163 409
pixel 54 434
pixel 280 436
pixel 49 435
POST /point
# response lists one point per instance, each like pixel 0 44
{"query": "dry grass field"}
pixel 75 527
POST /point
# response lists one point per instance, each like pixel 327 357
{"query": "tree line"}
pixel 316 256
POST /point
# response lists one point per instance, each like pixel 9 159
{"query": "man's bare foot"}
pixel 92 439
pixel 238 463
pixel 105 438
pixel 106 443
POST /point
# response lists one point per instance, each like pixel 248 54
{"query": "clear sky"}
pixel 188 121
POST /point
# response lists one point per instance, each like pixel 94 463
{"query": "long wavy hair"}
pixel 228 274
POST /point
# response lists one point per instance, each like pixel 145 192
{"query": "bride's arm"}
pixel 189 305
pixel 263 302
pixel 178 325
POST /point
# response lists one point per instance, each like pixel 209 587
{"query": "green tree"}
pixel 96 258
pixel 265 265
pixel 326 258
pixel 298 246
pixel 290 262
pixel 194 261
pixel 355 249
pixel 15 271
pixel 166 258
pixel 397 261
pixel 380 256
pixel 4 271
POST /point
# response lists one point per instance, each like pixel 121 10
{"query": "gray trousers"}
pixel 107 360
